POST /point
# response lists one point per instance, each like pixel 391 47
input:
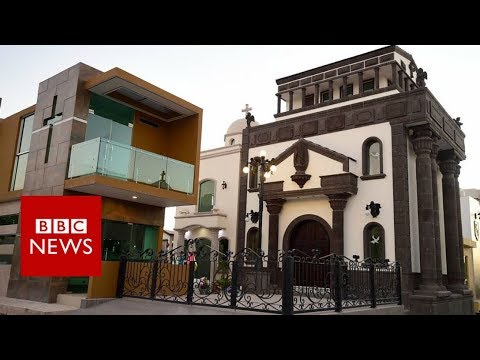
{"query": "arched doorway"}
pixel 307 233
pixel 203 249
pixel 223 248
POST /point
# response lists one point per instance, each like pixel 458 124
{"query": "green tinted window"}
pixel 110 109
pixel 206 198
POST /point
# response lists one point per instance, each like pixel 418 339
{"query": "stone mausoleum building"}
pixel 367 164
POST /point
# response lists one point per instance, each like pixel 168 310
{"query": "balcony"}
pixel 109 168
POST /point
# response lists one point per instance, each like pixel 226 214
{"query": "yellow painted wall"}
pixel 147 137
pixel 104 286
pixel 183 139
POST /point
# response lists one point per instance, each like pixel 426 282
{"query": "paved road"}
pixel 132 306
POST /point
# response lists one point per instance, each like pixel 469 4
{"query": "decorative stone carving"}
pixel 421 77
pixel 300 161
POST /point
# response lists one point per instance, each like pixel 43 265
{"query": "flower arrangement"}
pixel 203 283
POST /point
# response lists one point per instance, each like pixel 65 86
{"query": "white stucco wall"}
pixel 400 58
pixel 349 143
pixel 469 207
pixel 413 208
pixel 221 164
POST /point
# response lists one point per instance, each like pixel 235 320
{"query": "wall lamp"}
pixel 253 216
pixel 374 209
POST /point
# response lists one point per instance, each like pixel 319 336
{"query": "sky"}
pixel 221 79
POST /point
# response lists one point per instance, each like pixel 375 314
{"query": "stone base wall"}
pixel 4 276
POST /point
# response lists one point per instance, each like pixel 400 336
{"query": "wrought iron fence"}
pixel 286 283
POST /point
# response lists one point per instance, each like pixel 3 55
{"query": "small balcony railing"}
pixel 120 161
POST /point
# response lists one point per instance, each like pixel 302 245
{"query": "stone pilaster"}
pixel 337 203
pixel 360 82
pixel 345 86
pixel 423 144
pixel 317 94
pixel 330 90
pixel 304 93
pixel 377 78
pixel 448 167
pixel 279 103
pixel 274 207
pixel 394 74
pixel 290 100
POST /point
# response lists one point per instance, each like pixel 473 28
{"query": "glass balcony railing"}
pixel 116 160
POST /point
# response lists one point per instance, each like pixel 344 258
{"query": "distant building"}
pixel 470 208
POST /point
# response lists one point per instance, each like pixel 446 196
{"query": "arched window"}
pixel 374 241
pixel 372 156
pixel 206 198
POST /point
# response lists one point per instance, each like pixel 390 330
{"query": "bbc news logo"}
pixel 60 226
pixel 60 236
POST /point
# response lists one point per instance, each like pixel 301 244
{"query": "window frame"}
pixel 368 81
pixel 366 159
pixel 19 153
pixel 322 94
pixel 311 99
pixel 349 86
pixel 214 195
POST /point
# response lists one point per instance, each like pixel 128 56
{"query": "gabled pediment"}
pixel 300 149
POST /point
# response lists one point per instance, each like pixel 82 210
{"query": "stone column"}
pixel 290 100
pixel 422 144
pixel 317 94
pixel 180 238
pixel 214 235
pixel 279 103
pixel 377 78
pixel 360 82
pixel 214 256
pixel 448 167
pixel 304 93
pixel 337 203
pixel 438 257
pixel 330 90
pixel 459 224
pixel 345 85
pixel 394 74
pixel 274 207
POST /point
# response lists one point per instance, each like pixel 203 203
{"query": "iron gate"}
pixel 286 283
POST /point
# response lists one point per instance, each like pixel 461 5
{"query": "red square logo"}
pixel 61 236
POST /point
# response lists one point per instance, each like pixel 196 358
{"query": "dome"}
pixel 238 125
